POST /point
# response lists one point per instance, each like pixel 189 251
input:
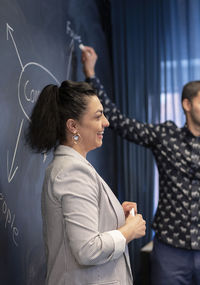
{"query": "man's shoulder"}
pixel 169 124
pixel 163 126
pixel 170 128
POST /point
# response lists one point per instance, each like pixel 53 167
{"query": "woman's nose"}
pixel 106 122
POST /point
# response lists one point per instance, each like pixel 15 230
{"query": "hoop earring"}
pixel 75 138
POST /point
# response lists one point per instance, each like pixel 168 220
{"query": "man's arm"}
pixel 130 129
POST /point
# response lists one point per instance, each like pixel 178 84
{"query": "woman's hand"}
pixel 135 227
pixel 127 207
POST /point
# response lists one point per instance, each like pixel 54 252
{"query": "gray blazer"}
pixel 79 209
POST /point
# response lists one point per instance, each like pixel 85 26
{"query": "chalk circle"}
pixel 32 80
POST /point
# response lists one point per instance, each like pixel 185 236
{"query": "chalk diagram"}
pixel 28 90
pixel 27 96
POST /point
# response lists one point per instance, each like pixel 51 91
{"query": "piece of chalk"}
pixel 132 212
pixel 81 46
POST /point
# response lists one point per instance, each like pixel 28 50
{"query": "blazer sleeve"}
pixel 77 190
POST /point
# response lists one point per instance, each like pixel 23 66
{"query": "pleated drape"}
pixel 156 50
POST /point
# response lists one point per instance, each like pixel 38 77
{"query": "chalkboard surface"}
pixel 38 45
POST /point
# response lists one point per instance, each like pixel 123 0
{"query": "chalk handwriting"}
pixel 72 34
pixel 31 95
pixel 74 37
pixel 9 219
pixel 35 93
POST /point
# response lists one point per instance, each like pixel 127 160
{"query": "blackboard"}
pixel 38 46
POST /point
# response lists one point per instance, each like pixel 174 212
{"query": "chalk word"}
pixel 32 95
pixel 72 34
pixel 9 219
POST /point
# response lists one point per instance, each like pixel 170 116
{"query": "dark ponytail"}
pixel 53 108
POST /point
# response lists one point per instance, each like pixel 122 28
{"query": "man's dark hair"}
pixel 190 90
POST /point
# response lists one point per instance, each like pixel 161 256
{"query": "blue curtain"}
pixel 156 50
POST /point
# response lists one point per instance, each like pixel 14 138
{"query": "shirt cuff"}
pixel 119 241
pixel 90 78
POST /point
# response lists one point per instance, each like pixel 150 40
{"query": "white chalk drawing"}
pixel 32 91
pixel 9 218
pixel 74 38
pixel 27 96
pixel 9 31
pixel 11 173
pixel 71 49
pixel 72 34
pixel 24 97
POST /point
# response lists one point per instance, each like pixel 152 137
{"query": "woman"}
pixel 86 230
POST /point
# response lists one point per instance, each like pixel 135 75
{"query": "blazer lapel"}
pixel 114 203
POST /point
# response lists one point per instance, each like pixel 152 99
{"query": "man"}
pixel 176 254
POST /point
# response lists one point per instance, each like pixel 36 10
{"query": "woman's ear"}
pixel 72 126
pixel 186 105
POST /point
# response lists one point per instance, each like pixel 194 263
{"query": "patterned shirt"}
pixel 177 154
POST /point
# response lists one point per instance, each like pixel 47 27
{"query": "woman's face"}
pixel 91 126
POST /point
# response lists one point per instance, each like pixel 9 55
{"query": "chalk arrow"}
pixel 11 173
pixel 71 48
pixel 9 31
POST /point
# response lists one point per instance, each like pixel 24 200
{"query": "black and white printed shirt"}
pixel 177 154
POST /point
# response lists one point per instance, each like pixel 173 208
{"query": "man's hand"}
pixel 89 58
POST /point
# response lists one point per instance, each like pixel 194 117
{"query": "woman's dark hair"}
pixel 53 108
pixel 190 90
